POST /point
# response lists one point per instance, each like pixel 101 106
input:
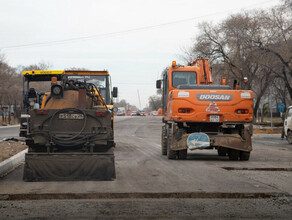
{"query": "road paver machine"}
pixel 67 122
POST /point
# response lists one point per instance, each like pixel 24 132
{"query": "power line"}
pixel 113 34
pixel 134 84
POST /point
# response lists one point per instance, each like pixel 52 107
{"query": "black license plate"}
pixel 71 116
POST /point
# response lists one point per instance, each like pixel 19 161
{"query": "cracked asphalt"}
pixel 198 187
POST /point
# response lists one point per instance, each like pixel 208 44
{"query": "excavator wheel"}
pixel 289 137
pixel 182 154
pixel 222 151
pixel 163 141
pixel 171 154
pixel 244 155
pixel 233 154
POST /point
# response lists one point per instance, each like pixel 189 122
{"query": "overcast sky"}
pixel 126 37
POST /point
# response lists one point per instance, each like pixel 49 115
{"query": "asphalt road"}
pixel 9 131
pixel 150 186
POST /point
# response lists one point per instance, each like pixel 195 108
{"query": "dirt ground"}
pixel 10 148
pixel 267 131
pixel 132 209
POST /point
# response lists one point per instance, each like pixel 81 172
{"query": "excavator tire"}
pixel 171 154
pixel 163 141
pixel 289 137
pixel 182 154
pixel 233 154
pixel 244 155
pixel 222 151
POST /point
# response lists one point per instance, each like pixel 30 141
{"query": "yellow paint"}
pixel 43 72
pixel 59 72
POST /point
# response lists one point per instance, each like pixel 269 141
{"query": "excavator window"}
pixel 183 78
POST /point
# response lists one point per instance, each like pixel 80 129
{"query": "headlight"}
pixel 57 91
pixel 31 103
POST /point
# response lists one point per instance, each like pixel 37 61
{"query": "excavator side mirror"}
pixel 115 92
pixel 158 84
pixel 234 84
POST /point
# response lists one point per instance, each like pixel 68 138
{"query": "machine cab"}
pixel 176 76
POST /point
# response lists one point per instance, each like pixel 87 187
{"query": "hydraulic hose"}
pixel 73 140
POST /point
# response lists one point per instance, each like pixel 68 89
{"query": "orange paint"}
pixel 200 104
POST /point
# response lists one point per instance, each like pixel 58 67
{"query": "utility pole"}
pixel 271 108
pixel 139 99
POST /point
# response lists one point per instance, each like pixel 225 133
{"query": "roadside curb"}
pixel 143 195
pixel 11 163
pixel 10 126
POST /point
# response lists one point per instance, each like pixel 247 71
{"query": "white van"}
pixel 288 125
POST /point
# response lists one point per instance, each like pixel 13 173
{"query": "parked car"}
pixel 121 111
pixel 288 125
pixel 133 113
pixel 141 113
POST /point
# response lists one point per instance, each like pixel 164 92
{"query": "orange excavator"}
pixel 200 115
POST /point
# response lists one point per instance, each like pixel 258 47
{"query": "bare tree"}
pixel 126 105
pixel 76 69
pixel 276 41
pixel 282 95
pixel 256 44
pixel 39 66
pixel 155 102
pixel 229 45
pixel 10 89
